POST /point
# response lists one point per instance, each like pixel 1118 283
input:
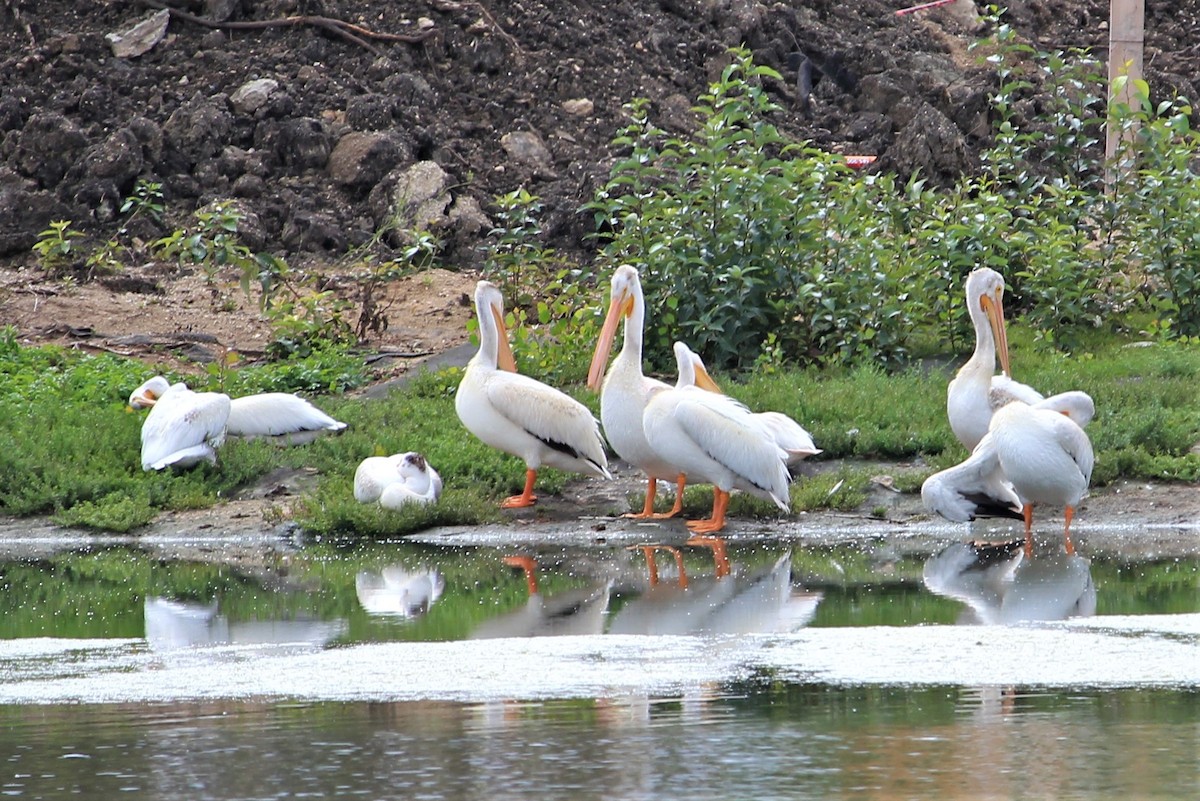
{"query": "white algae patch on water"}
pixel 1150 651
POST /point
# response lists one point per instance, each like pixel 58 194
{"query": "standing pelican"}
pixel 975 391
pixel 978 486
pixel 1047 458
pixel 715 440
pixel 521 416
pixel 788 434
pixel 183 428
pixel 626 391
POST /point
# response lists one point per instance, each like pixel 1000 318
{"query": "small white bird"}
pixel 396 480
pixel 976 392
pixel 519 415
pixel 978 487
pixel 626 391
pixel 788 434
pixel 284 418
pixel 396 591
pixel 1048 459
pixel 715 440
pixel 184 428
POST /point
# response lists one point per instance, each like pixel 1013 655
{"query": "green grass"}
pixel 72 446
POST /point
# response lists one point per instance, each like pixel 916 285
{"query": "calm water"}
pixel 863 669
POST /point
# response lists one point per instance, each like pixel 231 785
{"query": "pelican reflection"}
pixel 396 591
pixel 172 624
pixel 1000 584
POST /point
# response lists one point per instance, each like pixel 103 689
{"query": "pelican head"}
pixel 489 306
pixel 623 301
pixel 148 393
pixel 692 371
pixel 985 302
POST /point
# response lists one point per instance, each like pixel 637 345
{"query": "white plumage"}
pixel 1048 459
pixel 978 486
pixel 626 390
pixel 397 480
pixel 976 392
pixel 788 434
pixel 519 415
pixel 185 427
pixel 715 440
pixel 399 592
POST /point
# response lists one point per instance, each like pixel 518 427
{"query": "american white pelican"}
pixel 396 480
pixel 978 487
pixel 975 391
pixel 999 585
pixel 1047 458
pixel 573 612
pixel 521 416
pixel 183 428
pixel 626 391
pixel 715 440
pixel 788 434
pixel 284 418
pixel 398 592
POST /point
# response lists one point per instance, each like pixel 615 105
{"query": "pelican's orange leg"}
pixel 720 556
pixel 526 498
pixel 527 564
pixel 1067 530
pixel 680 483
pixel 1027 511
pixel 648 507
pixel 717 521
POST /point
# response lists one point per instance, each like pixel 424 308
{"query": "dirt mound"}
pixel 323 119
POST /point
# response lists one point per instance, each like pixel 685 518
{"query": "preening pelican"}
pixel 396 480
pixel 183 428
pixel 1048 459
pixel 287 419
pixel 788 434
pixel 521 416
pixel 715 440
pixel 976 392
pixel 626 391
pixel 978 486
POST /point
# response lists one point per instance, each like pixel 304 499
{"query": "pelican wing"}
pixel 727 433
pixel 1077 445
pixel 553 417
pixel 975 488
pixel 183 428
pixel 274 414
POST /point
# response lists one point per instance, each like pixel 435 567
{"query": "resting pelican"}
pixel 400 478
pixel 1048 459
pixel 183 428
pixel 975 391
pixel 626 391
pixel 715 440
pixel 788 434
pixel 521 416
pixel 978 487
pixel 284 418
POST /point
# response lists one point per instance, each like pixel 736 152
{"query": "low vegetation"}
pixel 825 294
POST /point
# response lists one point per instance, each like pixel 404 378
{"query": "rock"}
pixel 47 147
pixel 198 130
pixel 301 143
pixel 370 112
pixel 118 158
pixel 411 198
pixel 252 95
pixel 363 158
pixel 580 107
pixel 141 37
pixel 468 217
pixel 930 144
pixel 23 213
pixel 526 147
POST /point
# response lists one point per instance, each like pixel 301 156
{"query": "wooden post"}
pixel 1126 33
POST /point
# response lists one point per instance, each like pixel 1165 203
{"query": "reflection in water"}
pixel 567 613
pixel 732 600
pixel 174 624
pixel 398 592
pixel 1000 584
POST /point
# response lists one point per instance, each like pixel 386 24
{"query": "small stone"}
pixel 580 107
pixel 251 96
pixel 141 37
